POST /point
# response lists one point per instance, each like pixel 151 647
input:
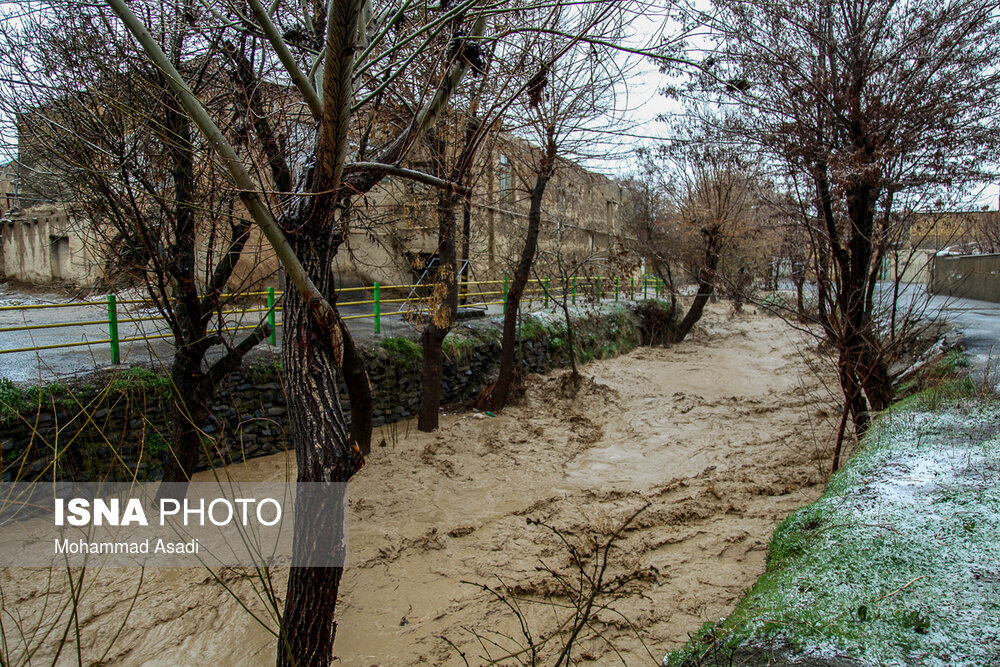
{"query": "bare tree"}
pixel 356 66
pixel 351 52
pixel 571 85
pixel 101 133
pixel 869 100
pixel 703 216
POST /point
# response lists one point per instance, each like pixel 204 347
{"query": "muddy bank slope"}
pixel 721 436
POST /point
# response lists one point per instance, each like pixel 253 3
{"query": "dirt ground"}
pixel 721 436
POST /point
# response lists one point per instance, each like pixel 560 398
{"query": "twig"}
pixel 901 588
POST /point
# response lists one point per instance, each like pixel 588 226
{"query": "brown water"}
pixel 722 436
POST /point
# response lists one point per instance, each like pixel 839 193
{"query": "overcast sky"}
pixel 638 96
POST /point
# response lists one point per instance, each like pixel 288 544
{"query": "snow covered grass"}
pixel 899 562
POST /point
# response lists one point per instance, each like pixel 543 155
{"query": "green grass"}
pixel 13 401
pixel 16 401
pixel 534 328
pixel 946 393
pixel 897 563
pixel 461 342
pixel 156 444
pixel 403 348
pixel 131 379
pixel 263 371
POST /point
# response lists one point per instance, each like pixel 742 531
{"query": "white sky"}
pixel 638 97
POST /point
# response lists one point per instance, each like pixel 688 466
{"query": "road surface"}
pixel 48 365
pixel 977 323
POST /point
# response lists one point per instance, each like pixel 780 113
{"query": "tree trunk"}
pixel 706 284
pixel 442 316
pixel 431 377
pixel 359 390
pixel 190 404
pixel 466 236
pixel 861 359
pixel 324 453
pixel 571 344
pixel 188 414
pixel 800 306
pixel 876 380
pixel 521 276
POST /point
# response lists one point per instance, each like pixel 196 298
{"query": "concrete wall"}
pixel 967 276
pixel 909 266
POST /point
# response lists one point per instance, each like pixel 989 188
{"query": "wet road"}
pixel 977 322
pixel 91 351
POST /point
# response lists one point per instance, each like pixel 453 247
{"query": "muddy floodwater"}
pixel 721 436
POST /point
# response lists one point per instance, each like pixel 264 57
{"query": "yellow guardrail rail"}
pixel 480 296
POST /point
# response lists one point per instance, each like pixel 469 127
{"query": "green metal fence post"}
pixel 598 288
pixel 617 286
pixel 113 329
pixel 504 296
pixel 645 286
pixel 631 287
pixel 272 339
pixel 377 308
pixel 574 290
pixel 546 292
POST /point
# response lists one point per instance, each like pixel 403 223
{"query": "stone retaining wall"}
pixel 90 434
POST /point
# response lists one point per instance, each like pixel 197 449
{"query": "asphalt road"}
pixel 976 322
pixel 48 365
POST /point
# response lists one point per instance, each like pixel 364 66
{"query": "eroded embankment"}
pixel 721 436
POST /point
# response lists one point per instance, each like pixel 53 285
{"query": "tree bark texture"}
pixel 706 283
pixel 521 275
pixel 324 453
pixel 444 305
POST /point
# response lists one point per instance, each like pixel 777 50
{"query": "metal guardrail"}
pixel 481 297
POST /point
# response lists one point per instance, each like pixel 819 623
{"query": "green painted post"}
pixel 113 329
pixel 617 286
pixel 504 296
pixel 598 288
pixel 546 292
pixel 645 286
pixel 631 287
pixel 377 307
pixel 273 338
pixel 574 290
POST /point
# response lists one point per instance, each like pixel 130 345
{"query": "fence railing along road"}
pixel 113 323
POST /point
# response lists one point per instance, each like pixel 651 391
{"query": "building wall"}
pixel 936 231
pixel 44 246
pixel 8 187
pixel 393 229
pixel 396 229
pixel 909 266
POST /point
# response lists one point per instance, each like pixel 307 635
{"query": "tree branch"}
pixel 234 357
pixel 363 181
pixel 322 312
pixel 300 80
pixel 338 91
pixel 403 172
